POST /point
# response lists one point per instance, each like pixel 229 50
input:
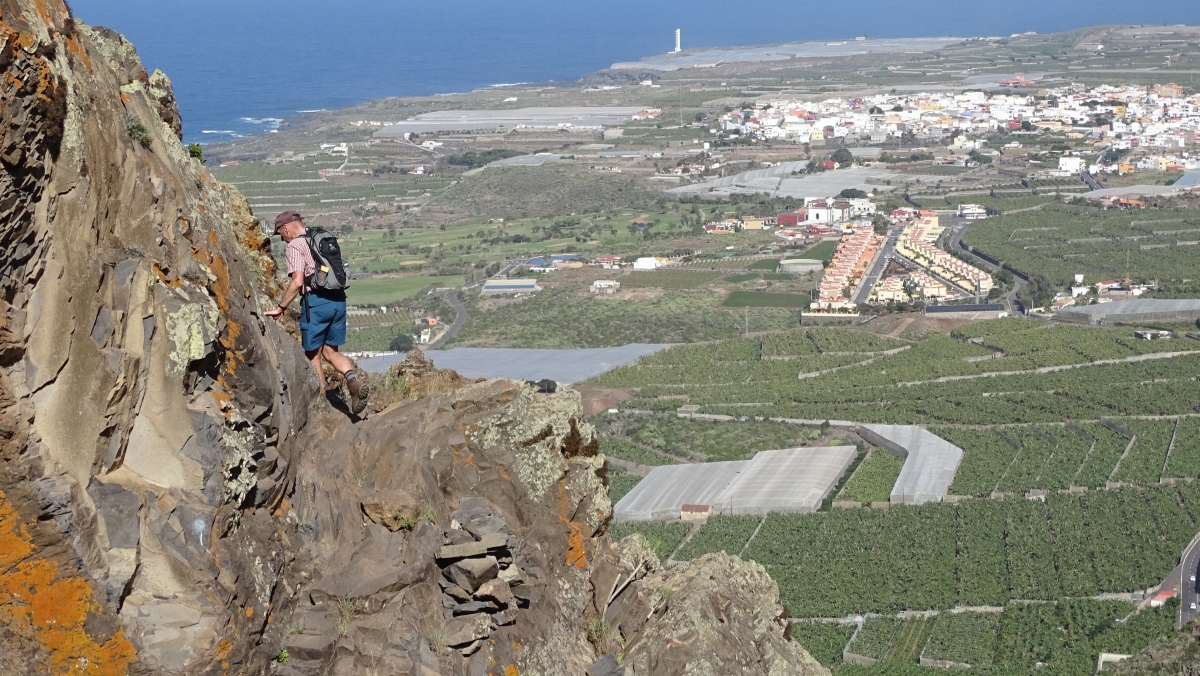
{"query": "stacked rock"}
pixel 482 586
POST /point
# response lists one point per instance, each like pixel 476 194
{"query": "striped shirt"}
pixel 299 258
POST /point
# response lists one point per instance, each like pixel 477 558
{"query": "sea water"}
pixel 240 66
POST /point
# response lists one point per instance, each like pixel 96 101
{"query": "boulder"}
pixel 466 629
pixel 393 509
pixel 470 574
pixel 496 590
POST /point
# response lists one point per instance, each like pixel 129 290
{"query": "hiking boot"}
pixel 359 391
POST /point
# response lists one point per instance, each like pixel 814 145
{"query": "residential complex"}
pixel 854 253
pixel 917 244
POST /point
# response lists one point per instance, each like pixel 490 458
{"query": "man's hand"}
pixel 274 313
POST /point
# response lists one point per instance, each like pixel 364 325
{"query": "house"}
pixel 972 212
pixel 570 264
pixel 608 262
pixel 1075 165
pixel 722 228
pixel 607 286
pixel 698 513
pixel 646 263
pixel 1161 597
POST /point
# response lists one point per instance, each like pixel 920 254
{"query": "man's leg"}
pixel 314 356
pixel 336 359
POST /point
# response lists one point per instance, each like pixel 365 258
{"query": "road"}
pixel 877 267
pixel 1188 566
pixel 1091 182
pixel 460 312
pixel 460 318
pixel 957 227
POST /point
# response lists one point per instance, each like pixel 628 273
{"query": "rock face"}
pixel 176 497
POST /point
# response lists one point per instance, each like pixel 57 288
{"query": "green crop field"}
pixel 874 637
pixel 964 638
pixel 721 534
pixel 1061 241
pixel 737 279
pixel 874 478
pixel 912 386
pixel 979 552
pixel 823 640
pixel 620 482
pixel 560 318
pixel 663 537
pixel 669 279
pixel 768 264
pixel 823 251
pixel 652 440
pixel 763 299
pixel 385 290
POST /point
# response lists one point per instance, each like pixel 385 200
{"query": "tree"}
pixel 842 156
pixel 197 151
pixel 852 193
pixel 401 342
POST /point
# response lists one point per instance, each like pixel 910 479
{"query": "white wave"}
pixel 216 131
pixel 314 110
pixel 509 84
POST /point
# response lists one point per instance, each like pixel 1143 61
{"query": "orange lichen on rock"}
pixel 576 555
pixel 37 604
pixel 511 670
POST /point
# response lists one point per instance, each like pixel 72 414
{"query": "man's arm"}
pixel 288 295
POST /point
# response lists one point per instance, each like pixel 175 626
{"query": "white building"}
pixel 1074 165
pixel 647 263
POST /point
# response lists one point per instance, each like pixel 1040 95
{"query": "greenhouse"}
pixel 929 461
pixel 788 480
pixel 1138 310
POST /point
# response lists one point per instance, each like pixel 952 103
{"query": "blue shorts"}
pixel 322 322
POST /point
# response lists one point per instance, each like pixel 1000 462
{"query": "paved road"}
pixel 1091 182
pixel 460 318
pixel 1188 565
pixel 957 228
pixel 460 312
pixel 885 252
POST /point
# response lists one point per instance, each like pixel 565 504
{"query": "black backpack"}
pixel 330 273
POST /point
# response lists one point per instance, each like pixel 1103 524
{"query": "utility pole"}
pixel 747 321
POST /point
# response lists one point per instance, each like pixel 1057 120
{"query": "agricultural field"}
pixel 764 299
pixel 963 638
pixel 560 318
pixel 823 251
pixel 941 379
pixel 874 478
pixel 823 640
pixel 727 534
pixel 874 638
pixel 653 440
pixel 669 279
pixel 620 482
pixel 663 537
pixel 387 291
pixel 976 553
pixel 1062 240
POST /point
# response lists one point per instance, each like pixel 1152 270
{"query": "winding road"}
pixel 460 318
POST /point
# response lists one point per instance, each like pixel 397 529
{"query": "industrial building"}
pixel 1132 311
pixel 497 286
pixel 972 311
pixel 787 480
pixel 929 461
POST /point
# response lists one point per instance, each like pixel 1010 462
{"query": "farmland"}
pixel 823 640
pixel 1061 240
pixel 938 379
pixel 978 552
pixel 874 478
pixel 763 299
pixel 662 537
pixel 653 440
pixel 669 279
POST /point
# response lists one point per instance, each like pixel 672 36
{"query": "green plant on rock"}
pixel 138 131
pixel 197 151
pixel 283 656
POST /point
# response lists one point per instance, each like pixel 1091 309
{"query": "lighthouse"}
pixel 677 47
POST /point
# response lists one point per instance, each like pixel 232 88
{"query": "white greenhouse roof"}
pixel 929 461
pixel 788 480
pixel 791 480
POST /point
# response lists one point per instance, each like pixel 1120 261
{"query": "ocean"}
pixel 239 67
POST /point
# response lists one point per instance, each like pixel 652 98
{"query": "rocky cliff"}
pixel 176 496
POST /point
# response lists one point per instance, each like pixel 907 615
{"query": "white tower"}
pixel 677 47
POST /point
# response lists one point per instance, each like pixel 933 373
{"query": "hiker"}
pixel 322 311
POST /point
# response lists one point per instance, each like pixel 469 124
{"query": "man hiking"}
pixel 322 312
